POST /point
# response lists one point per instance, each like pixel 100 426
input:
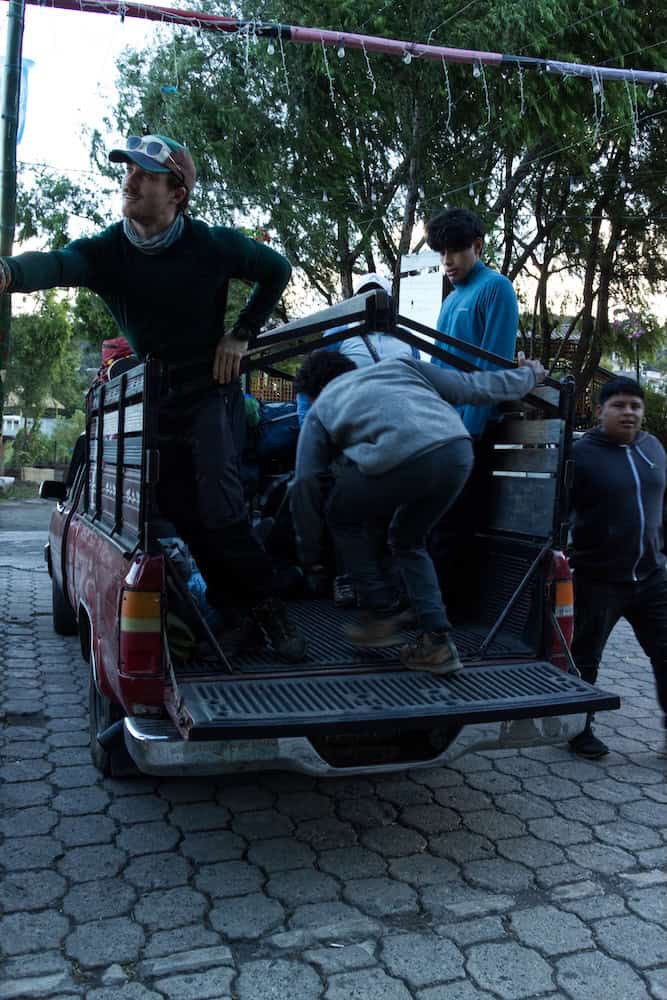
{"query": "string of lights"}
pixel 406 50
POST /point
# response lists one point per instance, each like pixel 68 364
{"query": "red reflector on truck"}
pixel 141 633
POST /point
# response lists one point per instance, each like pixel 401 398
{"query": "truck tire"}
pixel 102 713
pixel 64 619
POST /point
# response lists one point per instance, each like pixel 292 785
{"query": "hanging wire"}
pixel 522 94
pixel 284 64
pixel 449 95
pixel 328 72
pixel 369 71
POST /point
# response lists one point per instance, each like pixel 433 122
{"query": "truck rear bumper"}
pixel 157 748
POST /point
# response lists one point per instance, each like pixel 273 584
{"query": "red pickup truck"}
pixel 158 709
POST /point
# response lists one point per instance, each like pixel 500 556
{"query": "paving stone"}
pixel 367 813
pixel 586 810
pixel 25 932
pixel 25 770
pixel 436 777
pixel 102 942
pixel 577 770
pixel 520 767
pixel 510 970
pixel 199 816
pixel 30 890
pixel 393 841
pixel 327 833
pixel 646 812
pixel 461 846
pixel 552 788
pixel 83 775
pixel 650 903
pixel 464 991
pixel 653 856
pixel 553 875
pixel 524 806
pixel 138 809
pixel 32 793
pixel 614 792
pixel 131 991
pixel 31 966
pixel 304 805
pixel 560 831
pixel 247 917
pixel 170 908
pixel 331 920
pixel 637 941
pixel 347 788
pixel 229 878
pixel 403 792
pixel 261 824
pixel 24 988
pixel 550 930
pixel 205 847
pixel 493 782
pixel 277 979
pixel 493 824
pixel 421 959
pixel 601 858
pixel 28 822
pixel 636 775
pixel 82 864
pixel 592 975
pixel 304 885
pixel 463 901
pixel 281 854
pixel 595 907
pixel 531 851
pixel 420 870
pixel 186 961
pixel 381 897
pixel 98 899
pixel 365 984
pixel 77 831
pixel 499 875
pixel 245 797
pixel 210 985
pixel 472 931
pixel 81 801
pixel 114 976
pixel 147 838
pixel 657 979
pixel 193 790
pixel 430 819
pixel 352 862
pixel 179 940
pixel 19 853
pixel 70 756
pixel 158 871
pixel 342 958
pixel 462 798
pixel 631 836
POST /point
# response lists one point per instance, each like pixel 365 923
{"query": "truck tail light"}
pixel 562 591
pixel 141 633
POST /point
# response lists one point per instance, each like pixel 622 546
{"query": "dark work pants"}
pixel 200 491
pixel 597 608
pixel 412 496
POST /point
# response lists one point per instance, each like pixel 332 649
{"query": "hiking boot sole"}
pixel 441 669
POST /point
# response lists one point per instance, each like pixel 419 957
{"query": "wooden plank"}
pixel 525 459
pixel 524 506
pixel 529 431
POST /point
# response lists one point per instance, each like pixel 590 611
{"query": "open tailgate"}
pixel 260 707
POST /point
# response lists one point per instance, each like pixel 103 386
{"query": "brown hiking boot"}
pixel 434 652
pixel 377 628
pixel 269 621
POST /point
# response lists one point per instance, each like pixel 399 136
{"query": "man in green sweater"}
pixel 164 278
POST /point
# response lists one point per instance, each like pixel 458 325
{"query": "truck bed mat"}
pixel 322 624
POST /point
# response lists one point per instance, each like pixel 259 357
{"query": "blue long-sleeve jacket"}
pixel 483 311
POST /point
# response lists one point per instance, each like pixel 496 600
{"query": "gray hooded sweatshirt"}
pixel 384 415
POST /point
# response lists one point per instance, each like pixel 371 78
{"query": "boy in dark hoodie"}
pixel 617 541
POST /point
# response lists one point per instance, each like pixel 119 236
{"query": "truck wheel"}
pixel 102 713
pixel 64 619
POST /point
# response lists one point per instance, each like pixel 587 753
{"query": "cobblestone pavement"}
pixel 508 875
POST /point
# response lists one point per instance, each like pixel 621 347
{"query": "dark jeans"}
pixel 597 608
pixel 412 497
pixel 200 491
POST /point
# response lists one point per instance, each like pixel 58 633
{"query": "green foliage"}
pixel 655 420
pixel 32 447
pixel 634 330
pixel 91 321
pixel 65 435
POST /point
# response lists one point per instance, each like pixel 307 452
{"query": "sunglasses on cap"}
pixel 156 149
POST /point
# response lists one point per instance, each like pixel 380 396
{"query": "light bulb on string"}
pixel 471 190
pixel 271 49
pixel 476 69
pixel 340 51
pixel 407 58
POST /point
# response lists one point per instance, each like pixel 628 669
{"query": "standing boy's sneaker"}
pixel 433 651
pixel 270 620
pixel 586 744
pixel 343 592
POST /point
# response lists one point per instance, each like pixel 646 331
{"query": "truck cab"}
pixel 209 708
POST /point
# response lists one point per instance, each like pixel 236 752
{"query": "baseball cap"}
pixel 373 279
pixel 159 155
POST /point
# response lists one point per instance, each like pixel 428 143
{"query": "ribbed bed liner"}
pixel 322 624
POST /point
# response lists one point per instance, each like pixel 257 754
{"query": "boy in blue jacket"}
pixel 617 541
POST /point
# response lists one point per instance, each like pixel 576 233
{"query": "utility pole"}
pixel 9 103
